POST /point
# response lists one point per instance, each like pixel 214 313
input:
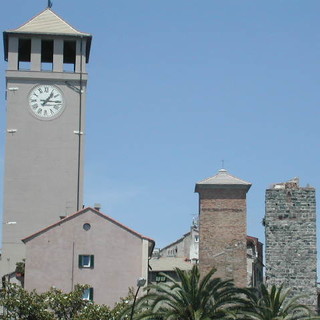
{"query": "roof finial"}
pixel 49 3
pixel 222 164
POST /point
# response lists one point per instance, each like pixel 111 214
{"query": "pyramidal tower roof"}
pixel 48 22
pixel 221 180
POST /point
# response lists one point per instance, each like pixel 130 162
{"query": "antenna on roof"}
pixel 195 220
pixel 49 3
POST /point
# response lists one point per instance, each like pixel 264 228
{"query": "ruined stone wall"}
pixel 290 227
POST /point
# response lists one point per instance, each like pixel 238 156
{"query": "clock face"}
pixel 46 102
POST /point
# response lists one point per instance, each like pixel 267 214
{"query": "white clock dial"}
pixel 46 102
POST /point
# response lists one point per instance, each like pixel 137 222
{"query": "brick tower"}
pixel 223 226
pixel 290 227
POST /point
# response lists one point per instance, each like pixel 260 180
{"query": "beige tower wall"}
pixel 41 156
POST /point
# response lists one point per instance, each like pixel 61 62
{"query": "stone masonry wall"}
pixel 290 227
pixel 223 233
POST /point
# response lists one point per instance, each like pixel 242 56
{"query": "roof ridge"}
pixel 67 218
pixel 35 24
pixel 63 20
pixel 178 240
pixel 29 20
pixel 227 175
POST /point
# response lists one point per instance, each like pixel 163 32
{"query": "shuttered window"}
pixel 86 261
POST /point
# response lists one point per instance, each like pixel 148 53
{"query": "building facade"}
pixel 187 247
pixel 87 247
pixel 46 88
pixel 254 262
pixel 291 246
pixel 223 226
pixel 184 253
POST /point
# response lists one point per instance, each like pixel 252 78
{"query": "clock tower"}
pixel 46 84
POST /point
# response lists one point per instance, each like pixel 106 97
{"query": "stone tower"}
pixel 223 226
pixel 290 227
pixel 46 87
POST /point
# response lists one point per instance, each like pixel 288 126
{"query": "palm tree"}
pixel 189 298
pixel 275 304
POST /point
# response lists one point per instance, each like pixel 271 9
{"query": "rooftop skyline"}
pixel 178 90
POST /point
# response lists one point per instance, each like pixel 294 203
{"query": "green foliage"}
pixel 55 304
pixel 94 312
pixel 275 304
pixel 190 298
pixel 66 306
pixel 122 308
pixel 20 304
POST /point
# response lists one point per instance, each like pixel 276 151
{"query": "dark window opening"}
pixel 86 261
pixel 86 226
pixel 69 56
pixel 88 294
pixel 47 55
pixel 161 278
pixel 24 54
pixel 155 276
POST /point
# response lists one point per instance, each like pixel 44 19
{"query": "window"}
pixel 86 226
pixel 47 55
pixel 161 278
pixel 172 252
pixel 24 54
pixel 69 56
pixel 196 238
pixel 86 261
pixel 88 294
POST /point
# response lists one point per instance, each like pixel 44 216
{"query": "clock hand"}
pixel 46 100
pixel 55 101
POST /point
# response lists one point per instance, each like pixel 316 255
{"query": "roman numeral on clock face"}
pixel 46 102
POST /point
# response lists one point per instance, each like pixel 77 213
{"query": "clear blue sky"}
pixel 176 86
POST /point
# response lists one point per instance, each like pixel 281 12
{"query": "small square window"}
pixel 161 278
pixel 88 294
pixel 86 261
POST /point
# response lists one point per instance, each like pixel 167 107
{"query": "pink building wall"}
pixel 120 256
